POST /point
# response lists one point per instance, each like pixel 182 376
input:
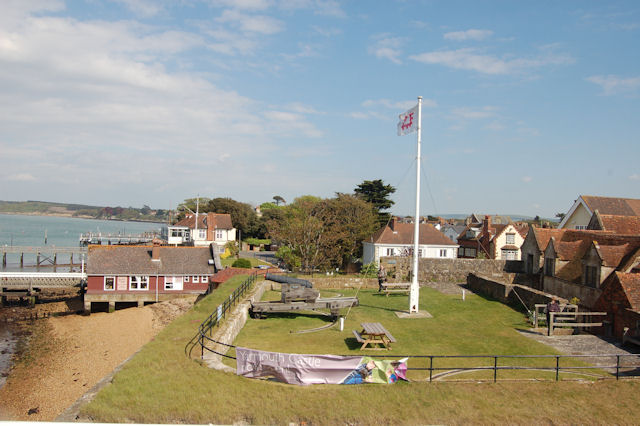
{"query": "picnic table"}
pixel 374 335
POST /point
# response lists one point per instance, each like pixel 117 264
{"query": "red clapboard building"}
pixel 145 274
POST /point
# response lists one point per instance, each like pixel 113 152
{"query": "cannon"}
pixel 297 294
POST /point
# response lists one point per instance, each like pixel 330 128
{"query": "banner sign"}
pixel 300 369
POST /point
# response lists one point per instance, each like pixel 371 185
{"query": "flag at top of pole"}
pixel 408 122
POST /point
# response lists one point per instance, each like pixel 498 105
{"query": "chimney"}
pixel 392 223
pixel 486 224
pixel 211 226
pixel 155 251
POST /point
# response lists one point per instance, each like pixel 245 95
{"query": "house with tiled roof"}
pixel 492 241
pixel 396 239
pixel 620 298
pixel 577 262
pixel 209 228
pixel 144 274
pixel 580 213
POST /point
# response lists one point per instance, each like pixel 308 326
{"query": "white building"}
pixel 211 228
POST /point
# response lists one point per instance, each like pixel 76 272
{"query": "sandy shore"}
pixel 68 355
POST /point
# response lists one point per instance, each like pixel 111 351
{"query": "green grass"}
pixel 254 262
pixel 161 385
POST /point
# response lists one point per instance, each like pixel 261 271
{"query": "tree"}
pixel 243 217
pixel 377 193
pixel 278 199
pixel 560 216
pixel 322 234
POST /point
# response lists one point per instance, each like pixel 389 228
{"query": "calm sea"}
pixel 52 231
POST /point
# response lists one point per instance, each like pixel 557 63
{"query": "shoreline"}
pixel 71 216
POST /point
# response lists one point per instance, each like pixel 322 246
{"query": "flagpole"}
pixel 414 294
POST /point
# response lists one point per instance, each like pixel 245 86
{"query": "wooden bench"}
pixel 375 336
pixel 395 288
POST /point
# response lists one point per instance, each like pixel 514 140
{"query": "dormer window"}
pixel 591 276
pixel 549 266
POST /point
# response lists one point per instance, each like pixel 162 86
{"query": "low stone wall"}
pixel 449 270
pixel 587 295
pixel 342 282
pixel 512 294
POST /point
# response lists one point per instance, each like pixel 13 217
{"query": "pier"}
pixel 29 284
pixel 44 255
pixel 113 239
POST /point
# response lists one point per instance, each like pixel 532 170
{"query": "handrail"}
pixel 217 315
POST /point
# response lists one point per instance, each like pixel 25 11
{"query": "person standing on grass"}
pixel 382 277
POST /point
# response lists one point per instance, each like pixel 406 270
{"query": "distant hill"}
pixel 46 208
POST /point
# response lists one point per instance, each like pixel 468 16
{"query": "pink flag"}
pixel 408 122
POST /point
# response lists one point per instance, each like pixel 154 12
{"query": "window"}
pixel 109 283
pixel 511 238
pixel 509 254
pixel 549 266
pixel 195 279
pixel 389 251
pixel 460 251
pixel 581 227
pixel 591 276
pixel 443 252
pixel 469 252
pixel 219 234
pixel 138 282
pixel 173 283
pixel 202 234
pixel 204 279
pixel 186 279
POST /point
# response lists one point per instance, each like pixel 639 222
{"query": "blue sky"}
pixel 527 105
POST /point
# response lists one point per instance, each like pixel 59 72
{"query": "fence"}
pixel 217 316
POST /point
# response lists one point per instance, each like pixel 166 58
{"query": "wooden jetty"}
pixel 115 239
pixel 44 255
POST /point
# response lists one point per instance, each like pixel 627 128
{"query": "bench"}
pixel 395 288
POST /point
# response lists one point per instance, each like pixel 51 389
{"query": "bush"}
pixel 242 263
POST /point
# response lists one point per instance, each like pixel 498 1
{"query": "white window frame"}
pixel 443 252
pixel 187 278
pixel 204 279
pixel 219 234
pixel 139 283
pixel 202 234
pixel 195 279
pixel 113 283
pixel 390 251
pixel 510 238
pixel 170 281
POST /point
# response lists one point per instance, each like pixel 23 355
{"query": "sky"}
pixel 526 105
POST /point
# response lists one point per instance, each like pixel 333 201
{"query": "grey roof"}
pixel 136 260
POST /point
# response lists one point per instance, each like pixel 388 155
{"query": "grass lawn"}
pixel 161 385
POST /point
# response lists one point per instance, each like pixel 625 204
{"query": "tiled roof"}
pixel 402 233
pixel 568 250
pixel 630 284
pixel 207 221
pixel 613 206
pixel 621 224
pixel 543 235
pixel 131 260
pixel 612 255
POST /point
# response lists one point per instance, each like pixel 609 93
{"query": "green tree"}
pixel 377 193
pixel 278 199
pixel 243 217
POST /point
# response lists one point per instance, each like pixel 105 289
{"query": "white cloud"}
pixel 21 177
pixel 634 176
pixel 144 8
pixel 473 60
pixel 527 179
pixel 471 34
pixel 242 4
pixel 386 47
pixel 474 113
pixel 259 24
pixel 614 85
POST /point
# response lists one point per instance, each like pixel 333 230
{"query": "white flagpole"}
pixel 414 294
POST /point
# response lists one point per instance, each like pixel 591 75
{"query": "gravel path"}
pixel 68 355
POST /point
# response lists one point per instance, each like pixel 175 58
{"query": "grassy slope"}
pixel 162 385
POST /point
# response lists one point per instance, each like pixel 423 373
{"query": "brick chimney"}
pixel 392 223
pixel 155 250
pixel 211 226
pixel 486 224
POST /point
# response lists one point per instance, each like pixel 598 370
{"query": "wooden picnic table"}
pixel 375 336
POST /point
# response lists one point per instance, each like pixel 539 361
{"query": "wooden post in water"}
pixel 21 260
pixel 4 259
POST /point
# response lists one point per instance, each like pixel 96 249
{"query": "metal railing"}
pixel 217 316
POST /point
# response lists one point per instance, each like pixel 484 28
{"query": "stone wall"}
pixel 512 294
pixel 587 295
pixel 342 282
pixel 449 270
